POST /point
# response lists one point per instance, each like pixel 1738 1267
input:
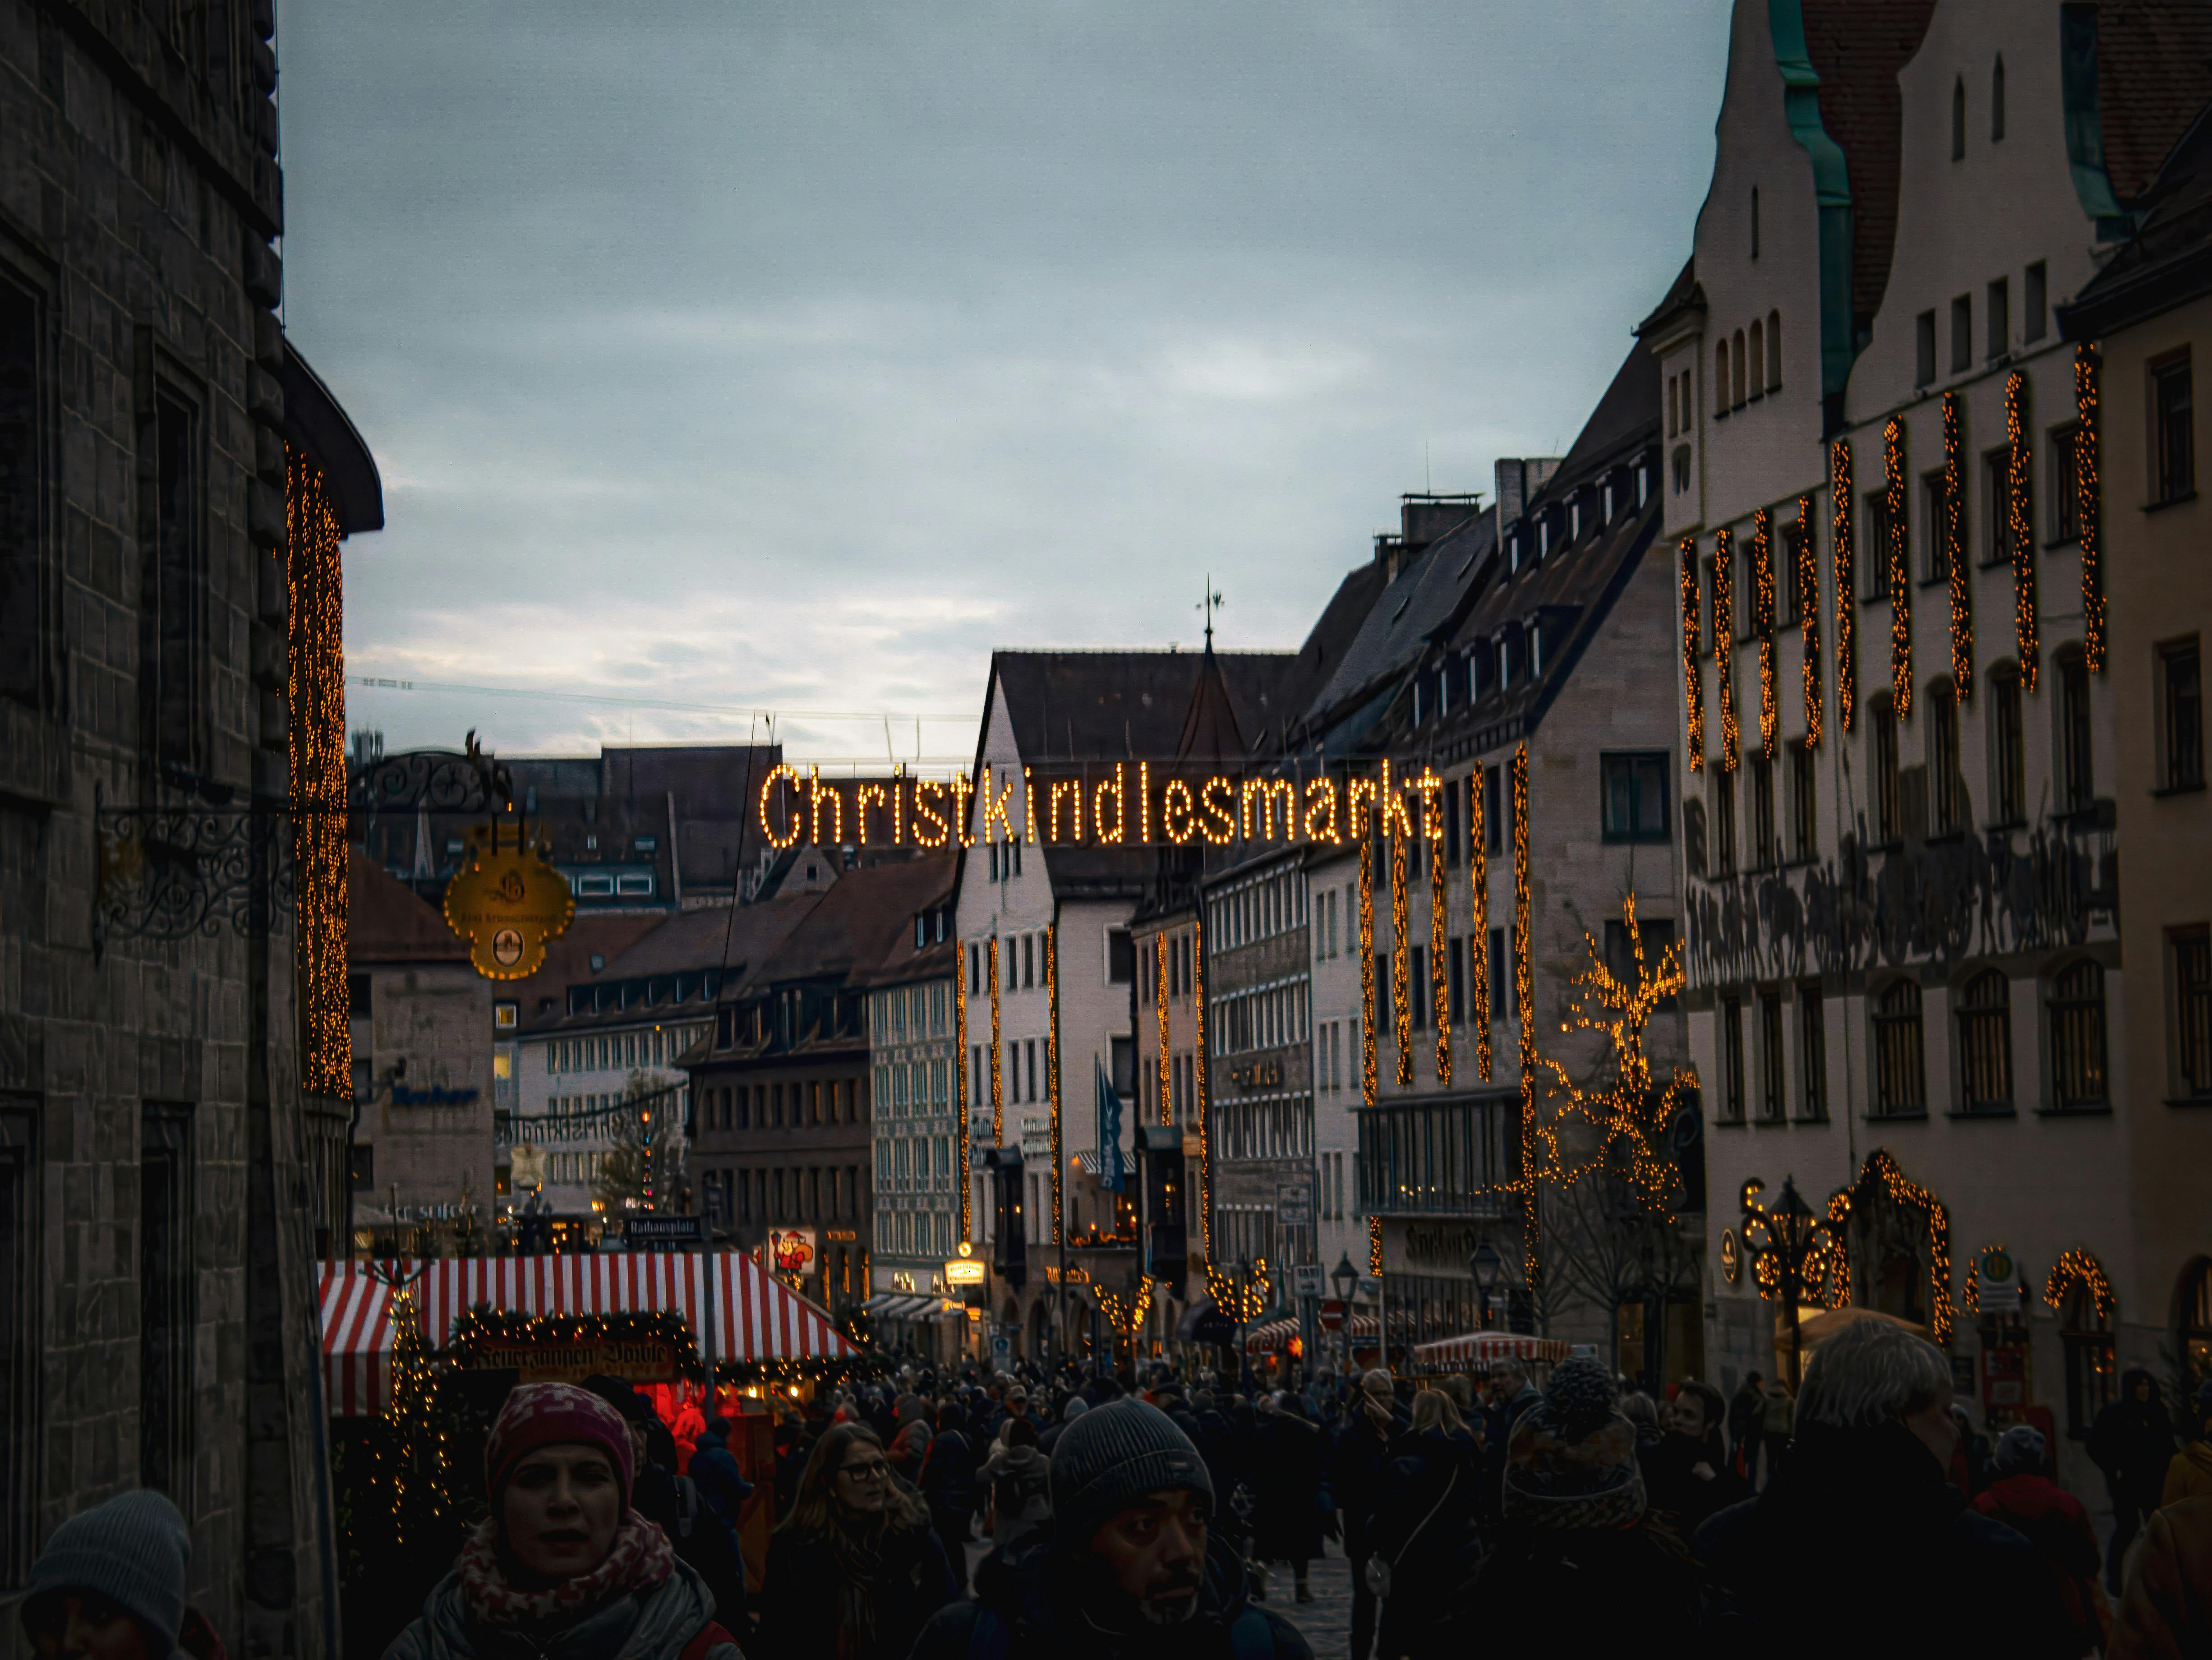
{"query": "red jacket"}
pixel 2056 1524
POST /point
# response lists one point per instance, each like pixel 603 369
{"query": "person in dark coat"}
pixel 1688 1476
pixel 2132 1441
pixel 1071 1409
pixel 675 1503
pixel 1511 1395
pixel 1745 1410
pixel 1127 1568
pixel 1426 1530
pixel 1861 1505
pixel 947 1483
pixel 855 1570
pixel 1373 1421
pixel 1285 1476
pixel 714 1470
pixel 2025 1499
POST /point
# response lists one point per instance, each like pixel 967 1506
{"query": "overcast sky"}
pixel 793 356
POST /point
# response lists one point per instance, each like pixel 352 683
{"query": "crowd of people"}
pixel 1143 1518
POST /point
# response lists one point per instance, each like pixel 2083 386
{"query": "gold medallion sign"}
pixel 507 903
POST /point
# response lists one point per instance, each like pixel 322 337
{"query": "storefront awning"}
pixel 1474 1349
pixel 356 1342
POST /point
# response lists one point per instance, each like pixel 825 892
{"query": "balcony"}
pixel 1439 1158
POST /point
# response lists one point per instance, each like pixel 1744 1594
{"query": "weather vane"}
pixel 1209 605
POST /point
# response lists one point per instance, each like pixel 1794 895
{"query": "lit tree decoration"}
pixel 2089 507
pixel 1240 1294
pixel 1402 967
pixel 1762 625
pixel 1693 687
pixel 1478 939
pixel 1899 566
pixel 2020 527
pixel 1126 1313
pixel 1840 501
pixel 1724 644
pixel 1808 615
pixel 315 736
pixel 1953 533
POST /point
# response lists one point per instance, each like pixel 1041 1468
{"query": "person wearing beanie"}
pixel 110 1585
pixel 1863 1492
pixel 2189 1474
pixel 856 1567
pixel 1071 1409
pixel 564 1563
pixel 1127 1569
pixel 2023 1496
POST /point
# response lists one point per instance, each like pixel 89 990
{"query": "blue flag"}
pixel 1112 1174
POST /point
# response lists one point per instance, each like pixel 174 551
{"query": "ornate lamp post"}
pixel 1344 1279
pixel 1487 1266
pixel 1789 1247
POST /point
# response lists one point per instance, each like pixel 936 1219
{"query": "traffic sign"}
pixel 1332 1314
pixel 1305 1278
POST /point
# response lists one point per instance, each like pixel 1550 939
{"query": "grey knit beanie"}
pixel 1113 1455
pixel 2019 1450
pixel 133 1550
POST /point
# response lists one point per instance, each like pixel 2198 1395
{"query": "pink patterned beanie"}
pixel 549 1415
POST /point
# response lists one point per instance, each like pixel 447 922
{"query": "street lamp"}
pixel 1782 1243
pixel 1487 1267
pixel 1344 1278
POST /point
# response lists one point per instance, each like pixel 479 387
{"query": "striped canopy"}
pixel 1471 1349
pixel 738 1312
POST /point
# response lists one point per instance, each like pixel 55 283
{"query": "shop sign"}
pixel 1259 1075
pixel 1294 1204
pixel 791 1251
pixel 571 1360
pixel 664 1232
pixel 965 1271
pixel 507 902
pixel 2004 1377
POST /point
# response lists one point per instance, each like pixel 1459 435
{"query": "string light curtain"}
pixel 1524 994
pixel 2079 1268
pixel 1439 948
pixel 1160 1003
pixel 1402 966
pixel 1839 504
pixel 315 733
pixel 1198 1090
pixel 1899 566
pixel 960 1106
pixel 2019 533
pixel 1052 1065
pixel 2088 506
pixel 1374 1246
pixel 1762 624
pixel 1693 684
pixel 998 1077
pixel 1724 645
pixel 1953 533
pixel 1369 1083
pixel 1478 938
pixel 1808 615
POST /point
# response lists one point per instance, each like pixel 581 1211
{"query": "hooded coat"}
pixel 2132 1441
pixel 1285 1474
pixel 1033 1593
pixel 1424 1526
pixel 654 1625
pixel 2167 1612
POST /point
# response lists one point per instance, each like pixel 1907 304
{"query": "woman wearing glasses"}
pixel 856 1569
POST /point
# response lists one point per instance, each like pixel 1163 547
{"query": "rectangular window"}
pixel 1772 1101
pixel 1766 852
pixel 172 610
pixel 1997 505
pixel 1804 804
pixel 1635 796
pixel 165 1315
pixel 1874 566
pixel 1924 332
pixel 1999 322
pixel 2191 951
pixel 1731 1045
pixel 1725 824
pixel 1121 958
pixel 1935 527
pixel 1888 794
pixel 358 996
pixel 1417 989
pixel 2077 783
pixel 1962 334
pixel 2035 305
pixel 2066 484
pixel 1812 1055
pixel 2007 749
pixel 2174 452
pixel 2181 715
pixel 1499 1010
pixel 23 608
pixel 19 1367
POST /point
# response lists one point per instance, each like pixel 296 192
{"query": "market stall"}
pixel 1475 1351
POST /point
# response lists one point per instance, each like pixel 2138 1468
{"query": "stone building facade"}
pixel 174 484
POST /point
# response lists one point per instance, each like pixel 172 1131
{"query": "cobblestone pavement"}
pixel 1326 1621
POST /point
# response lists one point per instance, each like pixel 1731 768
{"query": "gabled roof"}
pixel 734 941
pixel 387 922
pixel 2169 261
pixel 1209 728
pixel 851 930
pixel 1105 705
pixel 2154 75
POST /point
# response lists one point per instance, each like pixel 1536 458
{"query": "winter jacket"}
pixel 654 1624
pixel 1671 1484
pixel 799 1603
pixel 2189 1475
pixel 1915 1572
pixel 947 1478
pixel 714 1470
pixel 1631 1591
pixel 1030 1597
pixel 2052 1520
pixel 697 1530
pixel 1424 1526
pixel 1020 1481
pixel 2167 1612
pixel 2132 1441
pixel 1285 1481
pixel 1361 1458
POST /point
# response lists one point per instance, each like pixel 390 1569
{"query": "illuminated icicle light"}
pixel 2019 536
pixel 315 733
pixel 1160 1003
pixel 960 1104
pixel 1052 1065
pixel 1898 565
pixel 998 1082
pixel 2088 506
pixel 1478 938
pixel 1953 533
pixel 1839 503
pixel 1808 615
pixel 1762 624
pixel 1369 1083
pixel 1198 1089
pixel 2079 1268
pixel 1401 963
pixel 1693 684
pixel 1439 947
pixel 1374 1246
pixel 1724 645
pixel 1524 991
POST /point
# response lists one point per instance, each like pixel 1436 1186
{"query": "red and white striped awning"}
pixel 1480 1348
pixel 1274 1337
pixel 738 1312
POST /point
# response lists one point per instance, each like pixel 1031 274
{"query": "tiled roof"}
pixel 387 922
pixel 2169 261
pixel 2154 75
pixel 852 927
pixel 1857 46
pixel 1105 705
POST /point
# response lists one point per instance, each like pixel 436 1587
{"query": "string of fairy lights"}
pixel 1762 625
pixel 2078 1268
pixel 1897 566
pixel 1809 615
pixel 1052 1067
pixel 1693 671
pixel 1368 1081
pixel 1478 936
pixel 1402 997
pixel 315 738
pixel 1840 550
pixel 998 1082
pixel 2088 509
pixel 1198 1087
pixel 1525 1010
pixel 1439 945
pixel 960 1109
pixel 1724 645
pixel 1953 533
pixel 1160 999
pixel 2020 534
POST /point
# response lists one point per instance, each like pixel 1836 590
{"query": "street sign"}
pixel 655 1230
pixel 1002 1347
pixel 1294 1204
pixel 1305 1278
pixel 1332 1314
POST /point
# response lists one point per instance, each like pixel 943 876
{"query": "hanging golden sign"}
pixel 507 903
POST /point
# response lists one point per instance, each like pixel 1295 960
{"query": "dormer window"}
pixel 1643 482
pixel 1513 553
pixel 1544 537
pixel 1607 518
pixel 1535 633
pixel 1575 520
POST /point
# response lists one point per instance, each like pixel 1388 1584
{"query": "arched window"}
pixel 1958 119
pixel 2093 1372
pixel 1774 351
pixel 2077 1036
pixel 1735 386
pixel 1946 787
pixel 1986 1044
pixel 1721 379
pixel 1757 373
pixel 1900 1089
pixel 2196 1323
pixel 1997 101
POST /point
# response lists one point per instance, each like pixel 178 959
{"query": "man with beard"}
pixel 1128 1569
pixel 1688 1475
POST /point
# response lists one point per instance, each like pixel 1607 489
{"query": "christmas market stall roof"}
pixel 741 1317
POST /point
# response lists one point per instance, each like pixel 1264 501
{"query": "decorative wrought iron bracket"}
pixel 182 872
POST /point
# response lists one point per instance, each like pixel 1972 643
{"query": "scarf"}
pixel 859 1556
pixel 641 1560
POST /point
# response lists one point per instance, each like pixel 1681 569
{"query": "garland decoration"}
pixel 1840 501
pixel 1478 938
pixel 2079 1268
pixel 1724 644
pixel 1953 533
pixel 1368 1081
pixel 1881 1171
pixel 1808 615
pixel 1899 566
pixel 1762 624
pixel 1402 966
pixel 1375 1245
pixel 1439 952
pixel 960 1107
pixel 1524 994
pixel 2088 506
pixel 2019 527
pixel 1052 1065
pixel 997 1087
pixel 315 735
pixel 1198 1088
pixel 1160 1002
pixel 1693 687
